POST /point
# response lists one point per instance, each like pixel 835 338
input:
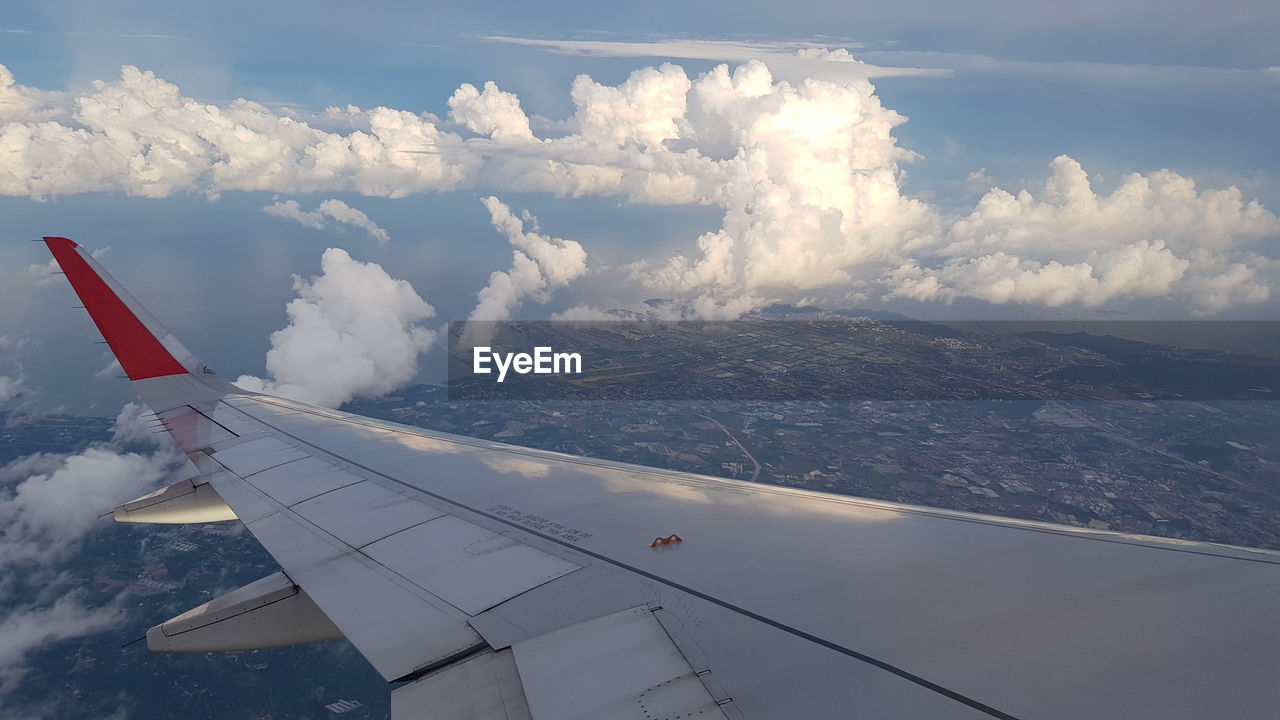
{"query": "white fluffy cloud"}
pixel 492 112
pixel 643 110
pixel 539 264
pixel 328 210
pixel 1153 236
pixel 806 170
pixel 51 501
pixel 139 135
pixel 19 102
pixel 353 331
pixel 810 191
pixel 1070 213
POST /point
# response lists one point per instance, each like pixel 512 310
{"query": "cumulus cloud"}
pixel 139 135
pixel 539 264
pixel 492 112
pixel 18 101
pixel 810 191
pixel 353 331
pixel 1069 212
pixel 1154 235
pixel 50 501
pixel 644 110
pixel 328 210
pixel 803 163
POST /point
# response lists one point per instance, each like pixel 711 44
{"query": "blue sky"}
pixel 1119 88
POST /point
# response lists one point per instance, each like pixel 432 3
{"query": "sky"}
pixel 288 182
pixel 305 193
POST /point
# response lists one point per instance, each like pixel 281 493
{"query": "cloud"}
pixel 10 388
pixel 1092 73
pixel 13 384
pixel 139 135
pixel 45 273
pixel 796 61
pixel 802 162
pixel 810 190
pixel 1069 212
pixel 1139 270
pixel 50 501
pixel 112 369
pixel 353 331
pixel 644 110
pixel 493 112
pixel 49 504
pixel 331 209
pixel 539 264
pixel 1153 236
pixel 32 628
pixel 586 312
pixel 18 101
pixel 700 307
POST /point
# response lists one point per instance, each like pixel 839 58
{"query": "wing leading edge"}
pixel 499 582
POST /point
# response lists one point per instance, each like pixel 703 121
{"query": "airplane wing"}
pixel 489 581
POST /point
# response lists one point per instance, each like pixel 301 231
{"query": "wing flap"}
pixel 622 666
pixel 484 687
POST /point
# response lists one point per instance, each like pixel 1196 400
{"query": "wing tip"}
pixel 140 349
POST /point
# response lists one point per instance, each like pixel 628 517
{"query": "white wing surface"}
pixel 493 581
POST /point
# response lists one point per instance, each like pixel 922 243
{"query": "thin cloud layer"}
pixel 328 211
pixel 353 331
pixel 804 165
pixel 31 628
pixel 795 61
pixel 49 503
pixel 10 387
pixel 1092 73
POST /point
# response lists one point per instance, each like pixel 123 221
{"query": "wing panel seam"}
pixel 777 624
pixel 757 487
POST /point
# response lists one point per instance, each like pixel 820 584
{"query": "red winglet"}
pixel 140 353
